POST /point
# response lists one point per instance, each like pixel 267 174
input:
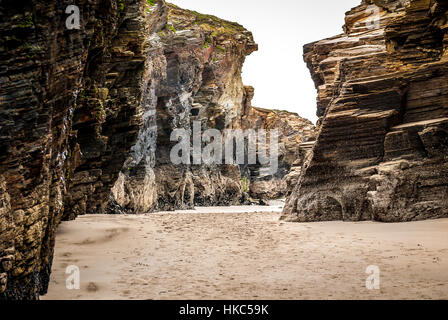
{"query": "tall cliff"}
pixel 382 146
pixel 293 132
pixel 69 113
pixel 195 76
pixel 89 110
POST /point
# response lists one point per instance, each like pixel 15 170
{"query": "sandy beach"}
pixel 247 253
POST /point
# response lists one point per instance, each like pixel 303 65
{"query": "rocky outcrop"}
pixel 195 76
pixel 69 113
pixel 109 113
pixel 84 111
pixel 382 145
pixel 293 131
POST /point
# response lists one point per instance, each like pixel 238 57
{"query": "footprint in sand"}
pixel 92 287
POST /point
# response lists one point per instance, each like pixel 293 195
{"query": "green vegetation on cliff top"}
pixel 205 20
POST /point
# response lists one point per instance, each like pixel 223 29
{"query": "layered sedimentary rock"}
pixel 69 113
pixel 79 106
pixel 293 131
pixel 382 147
pixel 109 113
pixel 195 76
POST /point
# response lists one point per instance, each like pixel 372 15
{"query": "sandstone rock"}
pixel 293 131
pixel 69 108
pixel 382 101
pixel 84 110
pixel 298 166
pixel 195 75
pixel 3 282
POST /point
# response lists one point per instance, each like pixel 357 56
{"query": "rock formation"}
pixel 69 113
pixel 294 131
pixel 382 145
pixel 83 108
pixel 195 75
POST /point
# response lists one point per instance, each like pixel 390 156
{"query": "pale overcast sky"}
pixel 281 28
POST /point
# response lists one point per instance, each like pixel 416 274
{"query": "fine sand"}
pixel 235 253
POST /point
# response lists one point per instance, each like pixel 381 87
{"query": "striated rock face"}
pixel 293 132
pixel 109 112
pixel 195 75
pixel 87 110
pixel 69 113
pixel 382 148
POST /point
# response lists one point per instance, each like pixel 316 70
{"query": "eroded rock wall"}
pixel 196 76
pixel 69 113
pixel 381 151
pixel 79 106
pixel 293 132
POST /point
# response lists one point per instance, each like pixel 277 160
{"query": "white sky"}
pixel 281 28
